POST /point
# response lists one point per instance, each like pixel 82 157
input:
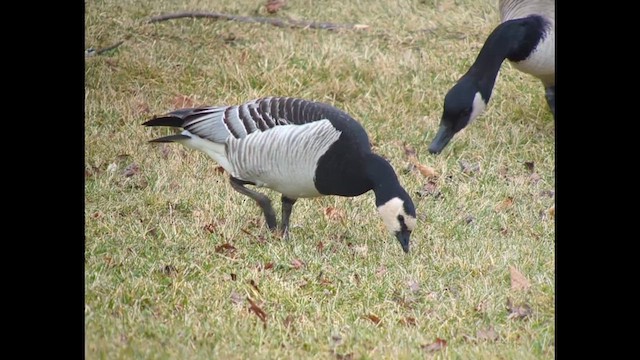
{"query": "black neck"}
pixel 513 40
pixel 384 181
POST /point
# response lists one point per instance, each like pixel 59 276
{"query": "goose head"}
pixel 399 217
pixel 463 103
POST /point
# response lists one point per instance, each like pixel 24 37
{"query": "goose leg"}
pixel 262 200
pixel 550 94
pixel 287 207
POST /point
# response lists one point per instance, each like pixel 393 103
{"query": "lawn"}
pixel 178 265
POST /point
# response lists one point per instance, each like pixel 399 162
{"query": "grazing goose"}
pixel 526 37
pixel 299 148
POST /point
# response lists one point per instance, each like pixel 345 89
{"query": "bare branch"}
pixel 92 52
pixel 262 20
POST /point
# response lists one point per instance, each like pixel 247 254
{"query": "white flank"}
pixel 214 150
pixel 283 158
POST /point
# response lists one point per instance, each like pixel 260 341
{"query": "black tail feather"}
pixel 170 138
pixel 165 121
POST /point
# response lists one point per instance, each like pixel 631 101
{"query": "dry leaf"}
pixel 519 311
pixel 534 178
pixel 430 188
pixel 336 340
pixel 218 170
pixel 131 169
pixel 381 271
pixel 360 27
pixel 274 5
pixel 258 311
pixel 288 321
pixel 439 344
pixel 505 204
pixel 375 319
pixel 226 249
pixel 183 101
pixel 529 165
pixel 236 298
pixel 169 270
pixel 253 284
pixel 268 266
pixel 408 321
pixel 426 171
pixel 413 286
pixel 487 334
pixel 409 151
pixel 233 276
pixel 334 214
pixel 468 168
pixel 210 227
pixel 518 281
pixel 552 211
pixel 297 264
pixel 320 246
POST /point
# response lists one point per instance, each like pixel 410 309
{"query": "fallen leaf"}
pixel 518 311
pixel 297 264
pixel 549 193
pixel 169 270
pixel 534 178
pixel 218 170
pixel 518 281
pixel 373 318
pixel 529 165
pixel 320 246
pixel 381 271
pixel 165 150
pixel 413 286
pixel 360 27
pixel 258 311
pixel 183 101
pixel 233 276
pixel 439 344
pixel 469 168
pixel 211 228
pixel 408 321
pixel 336 340
pixel 274 5
pixel 426 171
pixel 253 284
pixel 333 214
pixel 226 249
pixel 504 230
pixel 236 298
pixel 288 321
pixel 268 266
pixel 505 204
pixel 348 356
pixel 409 151
pixel 552 211
pixel 487 334
pixel 131 169
pixel 430 188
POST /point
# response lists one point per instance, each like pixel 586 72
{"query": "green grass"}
pixel 156 288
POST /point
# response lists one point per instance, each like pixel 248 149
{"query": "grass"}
pixel 158 284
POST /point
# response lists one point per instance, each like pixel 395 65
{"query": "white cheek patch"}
pixel 478 107
pixel 389 213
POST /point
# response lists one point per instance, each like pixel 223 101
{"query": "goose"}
pixel 297 147
pixel 526 37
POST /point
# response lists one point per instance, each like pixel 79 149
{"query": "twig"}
pixel 261 20
pixel 92 52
